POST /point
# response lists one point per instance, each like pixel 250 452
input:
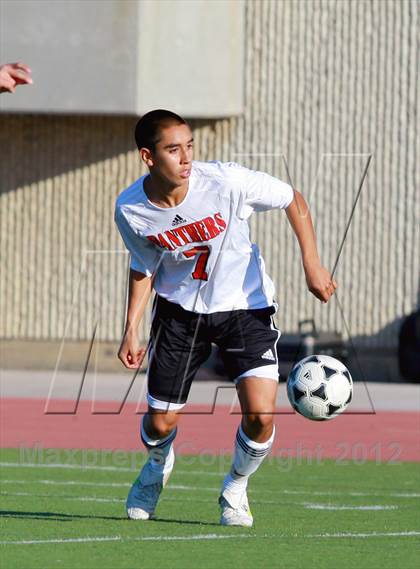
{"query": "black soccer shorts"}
pixel 180 341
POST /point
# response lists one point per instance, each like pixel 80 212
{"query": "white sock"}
pixel 247 458
pixel 161 451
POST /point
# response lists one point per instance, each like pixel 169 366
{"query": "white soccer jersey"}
pixel 200 251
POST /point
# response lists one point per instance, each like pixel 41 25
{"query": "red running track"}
pixel 385 436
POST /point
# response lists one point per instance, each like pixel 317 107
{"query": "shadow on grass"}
pixel 61 517
pixel 185 522
pixel 54 516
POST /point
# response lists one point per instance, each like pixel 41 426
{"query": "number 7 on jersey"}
pixel 203 252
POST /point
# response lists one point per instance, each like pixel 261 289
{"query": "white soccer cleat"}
pixel 144 494
pixel 240 516
pixel 142 500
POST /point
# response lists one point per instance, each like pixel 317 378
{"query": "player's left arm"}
pixel 318 278
pixel 13 74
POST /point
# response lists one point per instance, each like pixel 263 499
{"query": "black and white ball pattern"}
pixel 319 387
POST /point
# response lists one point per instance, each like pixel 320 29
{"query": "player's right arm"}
pixel 143 265
pixel 139 291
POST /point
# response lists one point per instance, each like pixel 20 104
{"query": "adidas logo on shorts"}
pixel 177 220
pixel 268 355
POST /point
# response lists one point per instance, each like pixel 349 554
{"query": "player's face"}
pixel 173 155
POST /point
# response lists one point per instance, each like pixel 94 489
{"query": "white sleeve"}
pixel 144 256
pixel 259 191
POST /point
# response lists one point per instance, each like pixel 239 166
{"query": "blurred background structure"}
pixel 306 91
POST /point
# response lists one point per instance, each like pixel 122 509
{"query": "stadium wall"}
pixel 327 84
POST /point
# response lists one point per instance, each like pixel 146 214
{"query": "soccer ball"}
pixel 319 387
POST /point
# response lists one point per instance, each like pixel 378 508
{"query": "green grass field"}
pixel 61 514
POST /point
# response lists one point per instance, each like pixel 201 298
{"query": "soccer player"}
pixel 185 225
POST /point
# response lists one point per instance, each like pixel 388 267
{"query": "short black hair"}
pixel 148 127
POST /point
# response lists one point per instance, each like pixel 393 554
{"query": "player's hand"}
pixel 130 352
pixel 13 74
pixel 319 281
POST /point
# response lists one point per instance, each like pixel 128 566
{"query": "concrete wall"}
pixel 127 56
pixel 326 85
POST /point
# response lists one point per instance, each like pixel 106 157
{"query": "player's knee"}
pixel 259 423
pixel 161 425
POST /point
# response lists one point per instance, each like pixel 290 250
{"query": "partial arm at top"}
pixel 13 74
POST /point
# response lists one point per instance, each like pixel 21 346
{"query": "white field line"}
pixel 99 484
pixel 211 489
pixel 306 505
pixel 411 533
pixel 344 493
pixel 112 500
pixel 68 483
pixel 67 466
pixel 339 507
pixel 121 538
pixel 63 497
pixel 100 468
pixel 208 536
pixel 202 473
